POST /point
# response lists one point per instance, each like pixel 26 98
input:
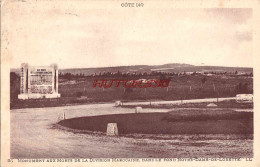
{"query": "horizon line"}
pixel 138 65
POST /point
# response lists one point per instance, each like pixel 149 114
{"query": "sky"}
pixel 84 35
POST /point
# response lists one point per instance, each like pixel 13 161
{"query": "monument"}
pixel 112 129
pixel 38 82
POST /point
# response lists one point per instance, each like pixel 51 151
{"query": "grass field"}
pixel 180 87
pixel 174 122
pixel 80 90
pixel 221 104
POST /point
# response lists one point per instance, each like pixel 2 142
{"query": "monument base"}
pixel 38 96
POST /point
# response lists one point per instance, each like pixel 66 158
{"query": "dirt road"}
pixel 33 135
pixel 209 100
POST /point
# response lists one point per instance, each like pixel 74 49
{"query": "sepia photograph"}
pixel 140 81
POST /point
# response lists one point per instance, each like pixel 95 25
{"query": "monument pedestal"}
pixel 38 96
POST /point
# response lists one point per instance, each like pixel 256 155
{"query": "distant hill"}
pixel 175 67
pixel 126 69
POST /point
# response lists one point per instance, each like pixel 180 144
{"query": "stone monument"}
pixel 112 129
pixel 38 82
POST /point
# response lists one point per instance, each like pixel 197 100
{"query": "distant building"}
pixel 38 82
pixel 118 103
pixel 241 73
pixel 244 98
pixel 189 73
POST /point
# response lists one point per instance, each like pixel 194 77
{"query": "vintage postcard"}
pixel 130 83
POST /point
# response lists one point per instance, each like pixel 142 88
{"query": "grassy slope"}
pixel 176 122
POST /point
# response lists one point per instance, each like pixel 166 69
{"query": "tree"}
pixel 203 80
pixel 14 85
pixel 242 88
pixel 79 94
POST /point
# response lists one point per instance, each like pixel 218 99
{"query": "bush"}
pixel 79 94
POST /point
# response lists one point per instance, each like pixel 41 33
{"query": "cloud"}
pixel 231 15
pixel 93 37
pixel 243 36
